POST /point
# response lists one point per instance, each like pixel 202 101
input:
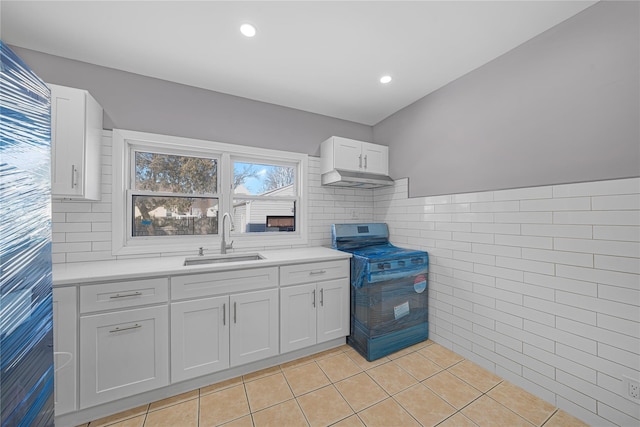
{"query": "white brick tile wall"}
pixel 540 285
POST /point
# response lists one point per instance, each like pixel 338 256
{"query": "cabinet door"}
pixel 65 355
pixel 123 353
pixel 375 158
pixel 199 337
pixel 297 317
pixel 333 309
pixel 347 154
pixel 254 326
pixel 67 141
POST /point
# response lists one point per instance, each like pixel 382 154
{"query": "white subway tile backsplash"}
pixel 479 227
pixel 612 338
pixel 598 218
pixel 473 237
pixel 510 251
pixel 558 257
pixel 560 283
pixel 625 310
pixel 552 205
pixel 577 231
pixel 621 202
pixel 511 206
pixel 615 278
pixel 604 247
pixel 617 293
pixel 524 241
pixel 559 336
pixel 523 217
pixel 624 326
pixel 616 263
pixel 525 265
pixel 604 232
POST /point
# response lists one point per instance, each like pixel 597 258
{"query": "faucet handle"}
pixel 230 245
pixel 200 251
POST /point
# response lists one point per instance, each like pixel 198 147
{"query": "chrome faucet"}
pixel 223 243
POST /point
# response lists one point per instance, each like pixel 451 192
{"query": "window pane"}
pixel 251 216
pixel 175 174
pixel 258 179
pixel 174 216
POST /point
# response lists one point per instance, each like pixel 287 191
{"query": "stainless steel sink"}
pixel 220 259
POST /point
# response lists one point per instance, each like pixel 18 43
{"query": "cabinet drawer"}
pixel 313 272
pixel 223 282
pixel 125 294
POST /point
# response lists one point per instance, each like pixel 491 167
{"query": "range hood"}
pixel 343 178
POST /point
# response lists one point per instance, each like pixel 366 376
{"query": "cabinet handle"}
pixel 317 272
pixel 360 161
pixel 118 329
pixel 74 176
pixel 313 303
pixel 224 314
pixel 365 161
pixel 134 294
pixel 235 312
pixel 321 297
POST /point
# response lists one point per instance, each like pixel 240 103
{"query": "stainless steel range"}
pixel 388 290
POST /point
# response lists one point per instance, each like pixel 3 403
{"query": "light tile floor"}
pixel 423 385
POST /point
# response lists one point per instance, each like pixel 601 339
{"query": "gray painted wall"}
pixel 146 104
pixel 563 107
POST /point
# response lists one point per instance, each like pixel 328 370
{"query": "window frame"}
pixel 124 142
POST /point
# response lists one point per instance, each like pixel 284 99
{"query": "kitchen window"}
pixel 169 195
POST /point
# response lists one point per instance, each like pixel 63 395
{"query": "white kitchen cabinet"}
pixel 123 353
pixel 352 155
pixel 76 131
pixel 199 337
pixel 254 326
pixel 316 308
pixel 65 354
pixel 298 320
pixel 333 310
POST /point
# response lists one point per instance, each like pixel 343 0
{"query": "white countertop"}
pixel 99 271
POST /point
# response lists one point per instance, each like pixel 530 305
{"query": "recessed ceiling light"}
pixel 385 79
pixel 248 30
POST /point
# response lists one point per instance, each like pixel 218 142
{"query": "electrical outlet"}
pixel 631 387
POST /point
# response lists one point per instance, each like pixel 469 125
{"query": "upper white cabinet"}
pixel 76 128
pixel 351 155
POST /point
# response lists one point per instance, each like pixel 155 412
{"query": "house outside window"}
pixel 169 195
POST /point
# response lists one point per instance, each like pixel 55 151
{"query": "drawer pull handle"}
pixel 119 329
pixel 235 312
pixel 317 272
pixel 134 294
pixel 224 314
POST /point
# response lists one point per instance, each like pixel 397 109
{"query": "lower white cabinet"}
pixel 254 326
pixel 65 354
pixel 313 313
pixel 123 353
pixel 199 337
pixel 212 334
